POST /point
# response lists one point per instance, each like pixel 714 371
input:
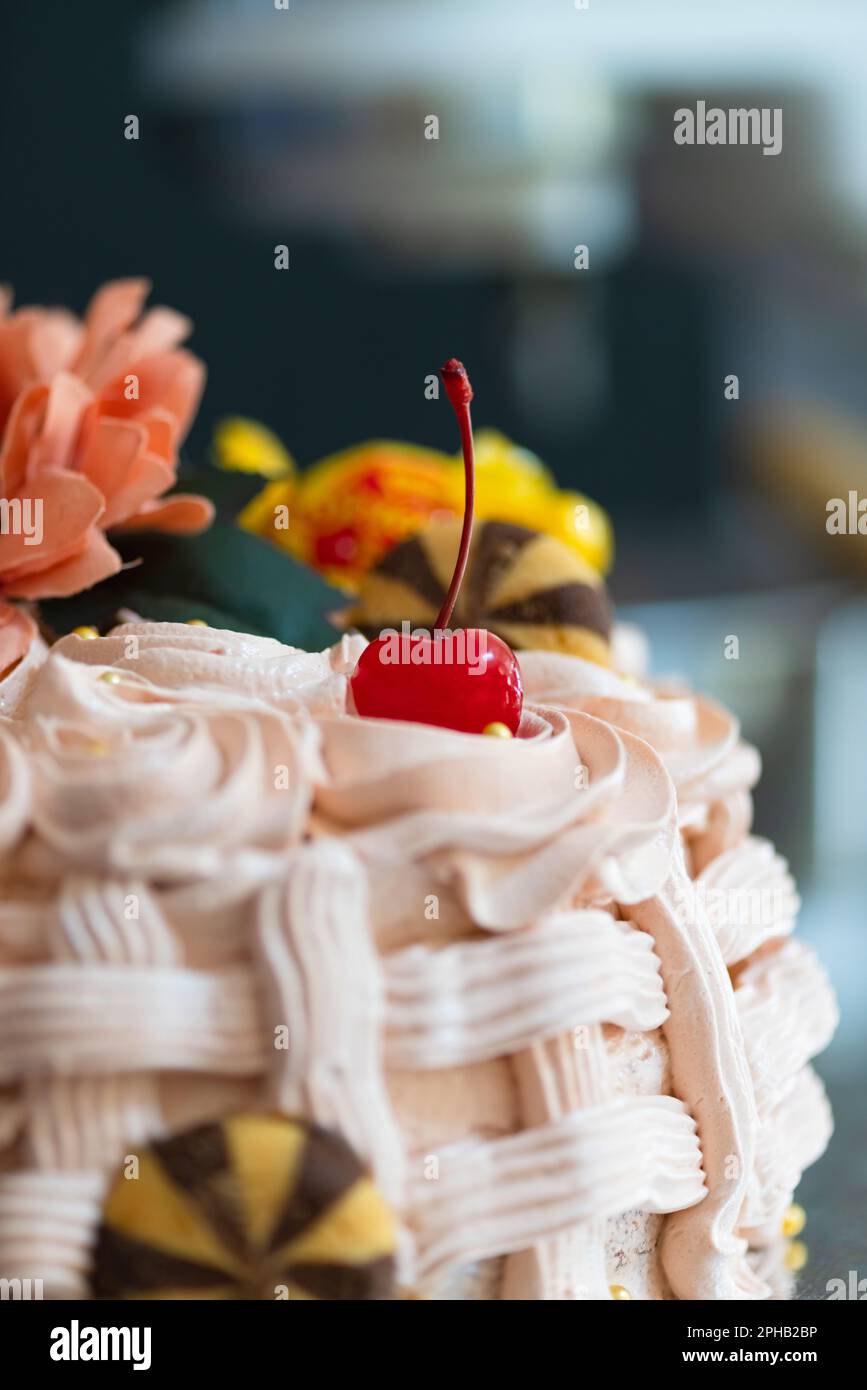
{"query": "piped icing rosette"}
pixel 15 791
pixel 569 808
pixel 20 641
pixel 498 980
pixel 126 776
pixel 788 1013
pixel 749 896
pixel 698 741
pixel 187 658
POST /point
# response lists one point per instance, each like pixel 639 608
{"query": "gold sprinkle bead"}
pixel 618 1292
pixel 794 1220
pixel 497 730
pixel 110 677
pixel 85 632
pixel 796 1256
pixel 196 622
pixel 97 748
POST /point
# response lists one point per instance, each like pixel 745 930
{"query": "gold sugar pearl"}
pixel 796 1256
pixel 497 730
pixel 85 632
pixel 110 677
pixel 97 748
pixel 196 622
pixel 794 1220
pixel 618 1292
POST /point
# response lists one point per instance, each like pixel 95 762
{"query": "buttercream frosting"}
pixel 544 987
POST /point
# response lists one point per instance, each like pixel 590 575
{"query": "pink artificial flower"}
pixel 92 414
pixel 17 632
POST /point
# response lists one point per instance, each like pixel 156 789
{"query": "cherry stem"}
pixel 460 393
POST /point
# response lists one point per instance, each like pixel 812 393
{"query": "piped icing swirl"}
pixel 788 1014
pixel 17 679
pixel 15 789
pixel 127 777
pixel 697 740
pixel 214 661
pixel 572 806
pixel 702 1253
pixel 749 896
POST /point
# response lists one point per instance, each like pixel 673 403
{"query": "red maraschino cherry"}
pixel 468 679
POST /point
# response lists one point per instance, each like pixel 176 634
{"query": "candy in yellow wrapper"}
pixel 347 511
pixel 512 484
pixel 527 587
pixel 245 446
pixel 579 522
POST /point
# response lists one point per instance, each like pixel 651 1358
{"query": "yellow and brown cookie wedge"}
pixel 525 586
pixel 252 1207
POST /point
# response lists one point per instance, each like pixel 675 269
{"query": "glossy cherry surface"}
pixel 429 687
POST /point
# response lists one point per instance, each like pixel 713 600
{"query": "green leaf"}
pixel 226 577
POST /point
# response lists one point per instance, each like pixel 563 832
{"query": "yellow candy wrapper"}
pixel 346 511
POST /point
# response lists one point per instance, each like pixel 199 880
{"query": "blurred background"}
pixel 305 127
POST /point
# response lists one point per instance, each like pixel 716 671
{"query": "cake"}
pixel 436 964
pixel 545 989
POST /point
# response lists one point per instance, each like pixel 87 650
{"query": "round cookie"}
pixel 250 1207
pixel 529 588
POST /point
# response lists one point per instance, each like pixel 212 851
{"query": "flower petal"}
pixel 93 561
pixel 116 460
pixel 160 331
pixel 112 310
pixel 55 339
pixel 161 428
pixel 22 430
pixel 68 397
pixel 170 381
pixel 70 505
pixel 181 514
pixel 16 367
pixel 17 631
